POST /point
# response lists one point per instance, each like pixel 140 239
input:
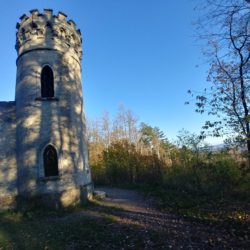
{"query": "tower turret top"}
pixel 48 31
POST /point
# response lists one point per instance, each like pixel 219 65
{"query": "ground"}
pixel 124 220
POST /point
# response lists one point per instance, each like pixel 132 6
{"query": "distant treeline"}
pixel 186 176
pixel 124 151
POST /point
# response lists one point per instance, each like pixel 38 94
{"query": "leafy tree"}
pixel 191 146
pixel 226 27
pixel 124 165
pixel 153 138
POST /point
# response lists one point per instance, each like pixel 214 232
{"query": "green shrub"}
pixel 217 177
pixel 122 164
pixel 98 172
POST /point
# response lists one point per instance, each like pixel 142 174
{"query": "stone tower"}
pixel 51 148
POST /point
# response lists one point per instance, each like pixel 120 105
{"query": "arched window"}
pixel 47 82
pixel 50 161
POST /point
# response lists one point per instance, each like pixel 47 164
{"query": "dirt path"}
pixel 173 231
pixel 128 200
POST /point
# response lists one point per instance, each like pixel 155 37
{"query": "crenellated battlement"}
pixel 48 31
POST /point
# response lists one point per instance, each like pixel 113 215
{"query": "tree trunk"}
pixel 248 152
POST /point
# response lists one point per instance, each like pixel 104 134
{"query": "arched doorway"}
pixel 47 82
pixel 50 161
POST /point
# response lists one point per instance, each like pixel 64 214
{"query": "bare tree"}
pixel 225 25
pixel 106 129
pixel 125 126
pixel 95 141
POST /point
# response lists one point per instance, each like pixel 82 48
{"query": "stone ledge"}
pixel 50 178
pixel 52 99
pixel 7 202
pixel 99 194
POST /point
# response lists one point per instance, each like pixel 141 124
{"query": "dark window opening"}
pixel 33 25
pixel 50 161
pixel 47 82
pixel 48 25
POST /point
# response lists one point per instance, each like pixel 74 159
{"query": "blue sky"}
pixel 139 53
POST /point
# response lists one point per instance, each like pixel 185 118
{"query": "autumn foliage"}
pixel 120 164
pixel 185 174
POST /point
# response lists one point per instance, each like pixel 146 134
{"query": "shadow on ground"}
pixel 123 220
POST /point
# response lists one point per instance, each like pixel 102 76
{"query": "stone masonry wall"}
pixel 8 171
pixel 34 120
pixel 44 39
